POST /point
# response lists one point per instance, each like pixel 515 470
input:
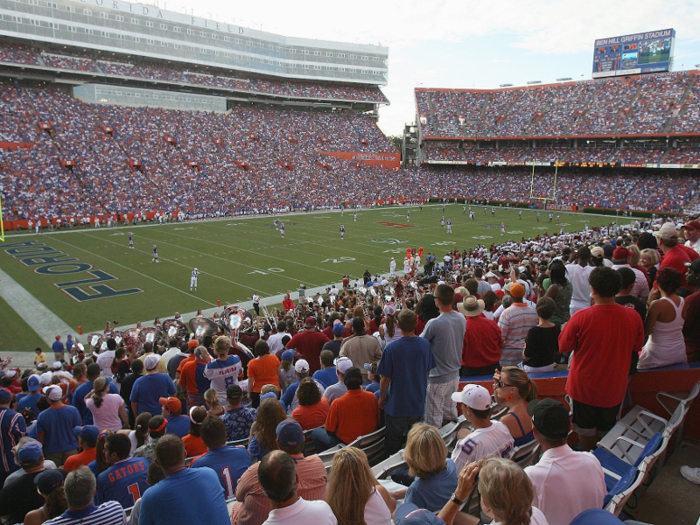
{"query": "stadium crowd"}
pixel 12 53
pixel 645 104
pixel 118 417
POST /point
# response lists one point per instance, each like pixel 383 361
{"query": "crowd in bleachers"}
pixel 621 106
pixel 23 54
pixel 342 393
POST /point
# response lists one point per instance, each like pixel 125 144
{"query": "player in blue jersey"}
pixel 125 479
pixel 228 462
pixel 155 254
pixel 131 240
pixel 342 232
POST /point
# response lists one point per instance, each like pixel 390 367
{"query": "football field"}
pixel 53 283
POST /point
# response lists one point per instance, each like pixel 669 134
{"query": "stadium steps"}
pixel 671 119
pixel 619 119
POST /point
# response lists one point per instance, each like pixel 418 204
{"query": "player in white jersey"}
pixel 342 232
pixel 97 222
pixel 155 254
pixel 131 241
pixel 193 279
pixel 520 215
pixel 407 265
pixel 449 226
pixel 442 221
pixel 392 267
pixel 408 216
pixel 355 216
pixel 503 228
pixel 464 209
pixel 551 216
pixel 538 216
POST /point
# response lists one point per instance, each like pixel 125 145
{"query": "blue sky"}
pixel 466 44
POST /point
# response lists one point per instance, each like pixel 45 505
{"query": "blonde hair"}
pixel 350 486
pixel 505 487
pixel 635 255
pixel 212 397
pixel 652 254
pixel 99 385
pixel 425 452
pixel 221 346
pixel 517 377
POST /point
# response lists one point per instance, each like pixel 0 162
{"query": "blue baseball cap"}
pixel 33 383
pixel 410 514
pixel 30 452
pixel 88 433
pixel 49 480
pixel 288 355
pixel 5 395
pixel 338 329
pixel 290 433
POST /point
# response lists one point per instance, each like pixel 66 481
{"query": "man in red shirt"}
pixel 354 414
pixel 481 352
pixel 605 338
pixel 675 255
pixel 308 344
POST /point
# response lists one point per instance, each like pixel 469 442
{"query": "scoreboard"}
pixel 649 52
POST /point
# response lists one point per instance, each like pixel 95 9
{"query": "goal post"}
pixel 554 187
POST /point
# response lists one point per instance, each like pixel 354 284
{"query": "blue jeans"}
pixel 322 440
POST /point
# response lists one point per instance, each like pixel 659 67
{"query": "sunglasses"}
pixel 501 384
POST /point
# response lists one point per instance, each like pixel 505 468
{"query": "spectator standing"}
pixel 675 255
pixel 664 324
pixel 515 323
pixel 481 350
pixel 149 388
pixel 620 259
pixel 55 427
pixel 58 349
pixel 565 482
pixel 263 370
pixel 252 507
pixel 624 298
pixel 541 343
pixel 228 462
pixel 603 356
pixel 404 368
pixel 445 334
pixel 691 328
pixel 361 348
pixel 81 392
pixel 308 344
pixel 578 273
pixel 193 378
pixel 29 400
pixel 12 428
pixel 333 392
pixel 560 290
pixel 127 387
pixel 692 235
pixel 326 376
pixel 225 369
pixel 107 409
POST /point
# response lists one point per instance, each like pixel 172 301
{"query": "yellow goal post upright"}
pixel 554 187
pixel 2 225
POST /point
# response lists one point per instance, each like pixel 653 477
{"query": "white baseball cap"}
pixel 474 396
pixel 151 361
pixel 302 365
pixel 342 364
pixel 53 392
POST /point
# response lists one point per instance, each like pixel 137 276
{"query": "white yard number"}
pixel 443 243
pixel 338 260
pixel 267 271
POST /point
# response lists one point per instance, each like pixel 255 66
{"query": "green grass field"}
pixel 236 256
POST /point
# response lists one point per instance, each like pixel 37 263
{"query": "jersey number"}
pixel 134 491
pixel 226 474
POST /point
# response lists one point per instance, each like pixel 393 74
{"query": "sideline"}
pixel 43 321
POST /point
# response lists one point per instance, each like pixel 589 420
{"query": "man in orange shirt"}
pixel 87 439
pixel 354 414
pixel 192 377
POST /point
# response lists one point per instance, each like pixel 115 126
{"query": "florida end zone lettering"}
pixel 48 261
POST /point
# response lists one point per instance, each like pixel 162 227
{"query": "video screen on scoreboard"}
pixel 649 52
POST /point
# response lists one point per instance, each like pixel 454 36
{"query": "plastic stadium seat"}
pixel 384 469
pixel 596 517
pixel 617 497
pixel 615 468
pixel 526 454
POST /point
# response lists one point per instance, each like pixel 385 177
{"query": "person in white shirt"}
pixel 489 438
pixel 392 267
pixel 193 279
pixel 578 273
pixel 565 482
pixel 277 476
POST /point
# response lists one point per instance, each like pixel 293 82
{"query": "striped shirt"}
pixel 110 513
pixel 515 322
pixel 253 507
pixel 12 428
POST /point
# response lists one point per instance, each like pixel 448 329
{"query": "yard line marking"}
pixel 43 321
